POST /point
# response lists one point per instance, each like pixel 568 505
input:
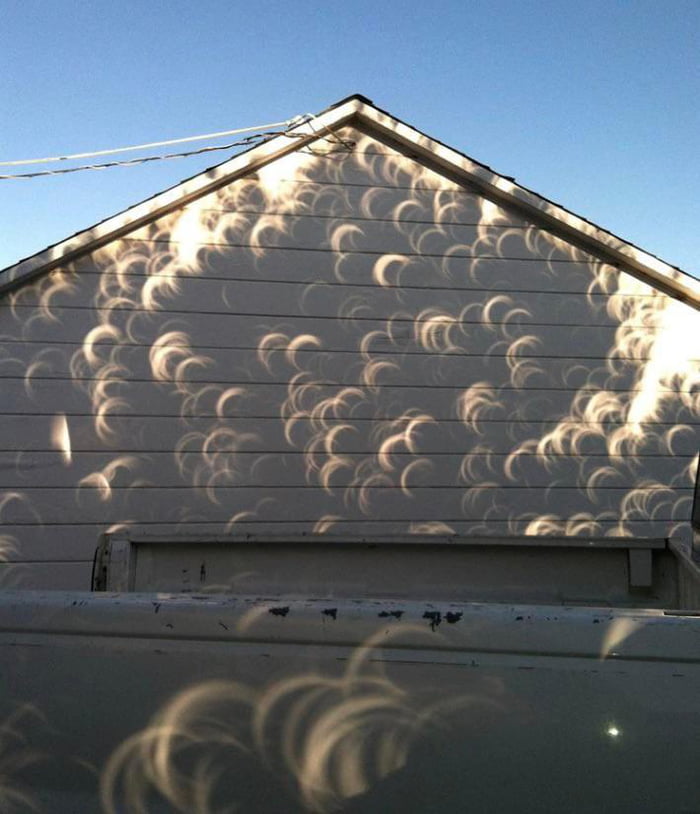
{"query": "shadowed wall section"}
pixel 343 342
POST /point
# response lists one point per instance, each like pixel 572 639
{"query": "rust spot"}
pixel 435 618
pixel 397 614
pixel 279 611
pixel 451 618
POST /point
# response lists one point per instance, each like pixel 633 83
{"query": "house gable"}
pixel 351 338
pixel 361 111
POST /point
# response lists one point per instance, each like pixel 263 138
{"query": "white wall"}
pixel 346 342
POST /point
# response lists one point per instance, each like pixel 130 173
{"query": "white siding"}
pixel 343 342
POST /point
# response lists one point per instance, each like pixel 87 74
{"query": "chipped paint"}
pixel 482 628
pixel 435 618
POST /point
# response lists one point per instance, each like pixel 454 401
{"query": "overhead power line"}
pixel 74 156
pixel 246 142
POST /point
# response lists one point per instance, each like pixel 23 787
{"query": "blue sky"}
pixel 592 104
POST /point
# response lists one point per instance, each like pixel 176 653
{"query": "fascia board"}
pixel 671 280
pixel 164 202
pixel 570 226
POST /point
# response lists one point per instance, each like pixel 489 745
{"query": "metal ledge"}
pixel 594 633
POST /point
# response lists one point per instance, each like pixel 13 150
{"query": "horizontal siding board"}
pixel 312 503
pixel 262 434
pixel 459 214
pixel 33 384
pixel 349 269
pixel 46 576
pixel 317 299
pixel 372 237
pixel 452 375
pixel 275 349
pixel 35 471
pixel 72 327
pixel 326 193
pixel 35 543
pixel 551 341
pixel 414 282
pixel 343 171
pixel 362 311
pixel 48 396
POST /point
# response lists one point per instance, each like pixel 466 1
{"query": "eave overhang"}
pixel 359 110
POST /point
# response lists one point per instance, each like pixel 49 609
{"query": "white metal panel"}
pixel 500 708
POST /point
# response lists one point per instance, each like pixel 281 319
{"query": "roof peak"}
pixel 492 185
pixel 354 97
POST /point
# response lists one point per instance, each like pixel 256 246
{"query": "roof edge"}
pixel 185 191
pixel 586 234
pixel 574 228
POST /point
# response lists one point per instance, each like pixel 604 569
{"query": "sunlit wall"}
pixel 343 342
